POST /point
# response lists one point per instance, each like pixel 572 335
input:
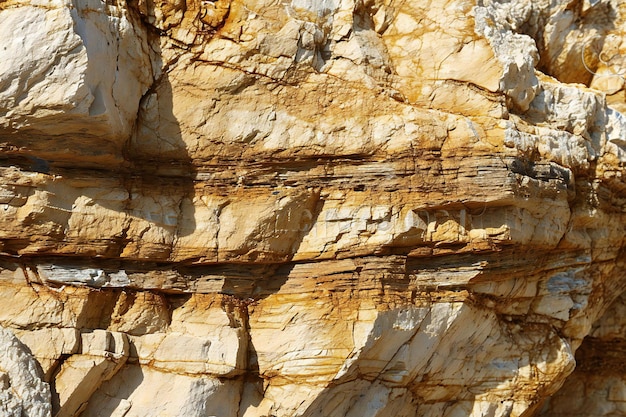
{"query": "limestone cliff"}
pixel 320 208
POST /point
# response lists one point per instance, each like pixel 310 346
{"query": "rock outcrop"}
pixel 322 208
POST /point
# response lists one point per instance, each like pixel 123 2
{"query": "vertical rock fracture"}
pixel 316 208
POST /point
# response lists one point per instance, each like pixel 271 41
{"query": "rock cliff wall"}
pixel 312 208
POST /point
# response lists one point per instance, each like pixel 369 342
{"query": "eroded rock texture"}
pixel 312 208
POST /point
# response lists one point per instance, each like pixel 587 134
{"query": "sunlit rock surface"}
pixel 312 208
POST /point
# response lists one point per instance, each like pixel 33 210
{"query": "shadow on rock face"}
pixel 117 182
pixel 160 178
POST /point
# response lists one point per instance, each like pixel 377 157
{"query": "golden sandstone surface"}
pixel 320 208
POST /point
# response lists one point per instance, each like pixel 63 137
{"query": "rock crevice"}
pixel 312 208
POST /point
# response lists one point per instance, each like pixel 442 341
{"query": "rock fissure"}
pixel 312 208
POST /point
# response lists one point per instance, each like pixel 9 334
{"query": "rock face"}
pixel 312 208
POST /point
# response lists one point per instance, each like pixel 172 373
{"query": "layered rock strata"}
pixel 311 208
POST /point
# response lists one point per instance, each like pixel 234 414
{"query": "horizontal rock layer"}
pixel 332 208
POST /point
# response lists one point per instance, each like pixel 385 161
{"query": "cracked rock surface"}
pixel 332 208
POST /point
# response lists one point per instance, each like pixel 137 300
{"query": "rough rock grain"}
pixel 22 391
pixel 327 208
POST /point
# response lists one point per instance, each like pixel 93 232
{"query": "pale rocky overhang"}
pixel 312 208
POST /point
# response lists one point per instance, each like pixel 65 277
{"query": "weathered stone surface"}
pixel 102 355
pixel 597 387
pixel 22 391
pixel 76 72
pixel 313 208
pixel 59 342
